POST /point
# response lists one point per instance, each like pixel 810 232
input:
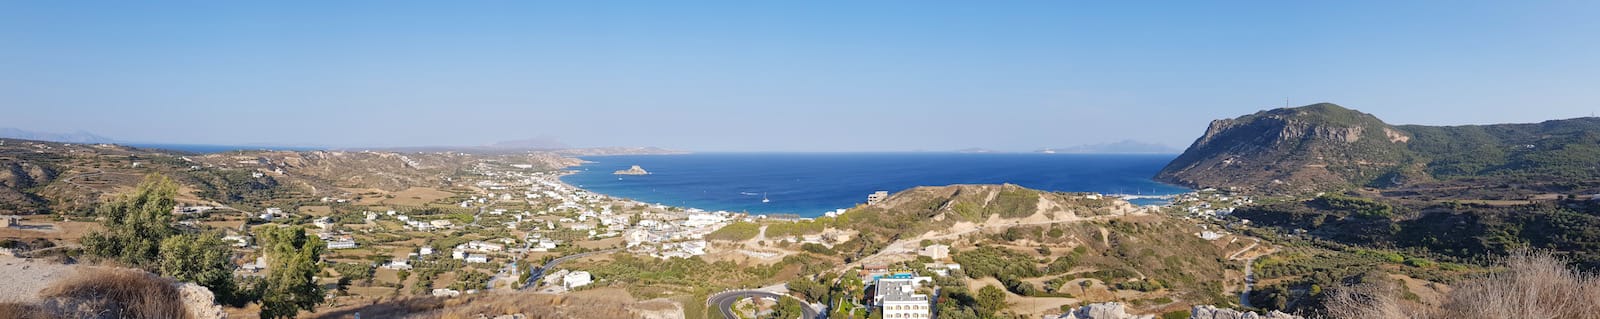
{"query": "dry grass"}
pixel 1538 286
pixel 417 196
pixel 104 293
pixel 536 306
pixel 318 211
pixel 23 311
pixel 1372 301
pixel 1535 286
pixel 116 294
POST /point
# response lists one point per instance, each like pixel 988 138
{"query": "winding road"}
pixel 724 302
pixel 538 274
pixel 1249 272
pixel 70 180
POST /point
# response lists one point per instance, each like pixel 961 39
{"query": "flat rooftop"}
pixel 899 290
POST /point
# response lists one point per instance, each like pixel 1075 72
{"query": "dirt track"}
pixel 24 278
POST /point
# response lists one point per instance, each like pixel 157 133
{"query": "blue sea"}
pixel 812 184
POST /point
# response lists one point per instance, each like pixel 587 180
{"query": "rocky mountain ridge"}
pixel 1323 147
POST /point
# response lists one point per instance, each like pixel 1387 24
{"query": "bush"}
pixel 1019 287
pixel 113 294
pixel 997 262
pixel 816 248
pixel 1359 206
pixel 1420 263
pixel 24 311
pixel 353 271
pixel 1536 285
pixel 1140 285
pixel 135 224
pixel 738 231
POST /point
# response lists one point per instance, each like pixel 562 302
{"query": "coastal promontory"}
pixel 1323 147
pixel 635 170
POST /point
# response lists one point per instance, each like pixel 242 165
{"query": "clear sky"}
pixel 776 76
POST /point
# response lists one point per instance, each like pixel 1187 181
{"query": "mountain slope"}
pixel 1287 150
pixel 1325 147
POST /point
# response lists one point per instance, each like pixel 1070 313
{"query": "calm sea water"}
pixel 811 184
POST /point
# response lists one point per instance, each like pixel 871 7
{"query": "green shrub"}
pixel 738 231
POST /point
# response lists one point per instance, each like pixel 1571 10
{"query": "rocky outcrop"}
pixel 1305 149
pixel 1326 147
pixel 16 180
pixel 1209 312
pixel 1110 310
pixel 25 175
pixel 635 170
pixel 200 302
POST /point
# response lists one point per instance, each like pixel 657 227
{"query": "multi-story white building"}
pixel 897 299
pixel 576 279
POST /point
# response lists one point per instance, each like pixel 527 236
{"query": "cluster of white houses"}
pixel 475 251
pixel 569 279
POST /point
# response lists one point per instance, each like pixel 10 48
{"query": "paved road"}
pixel 539 273
pixel 1249 281
pixel 724 302
pixel 1249 272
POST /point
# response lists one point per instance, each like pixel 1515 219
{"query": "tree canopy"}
pixel 135 224
pixel 292 259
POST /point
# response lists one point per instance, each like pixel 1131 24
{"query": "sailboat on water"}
pixel 764 198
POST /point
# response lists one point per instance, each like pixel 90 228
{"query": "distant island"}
pixel 1122 147
pixel 635 170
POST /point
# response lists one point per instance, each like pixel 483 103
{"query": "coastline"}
pixel 1160 199
pixel 812 185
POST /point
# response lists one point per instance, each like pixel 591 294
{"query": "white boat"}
pixel 764 198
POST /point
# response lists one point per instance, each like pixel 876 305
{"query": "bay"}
pixel 810 184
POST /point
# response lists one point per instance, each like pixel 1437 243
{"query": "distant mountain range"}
pixel 1123 147
pixel 1323 147
pixel 81 137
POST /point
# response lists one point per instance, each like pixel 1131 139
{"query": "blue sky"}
pixel 776 76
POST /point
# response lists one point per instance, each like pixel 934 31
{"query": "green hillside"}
pixel 1324 147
